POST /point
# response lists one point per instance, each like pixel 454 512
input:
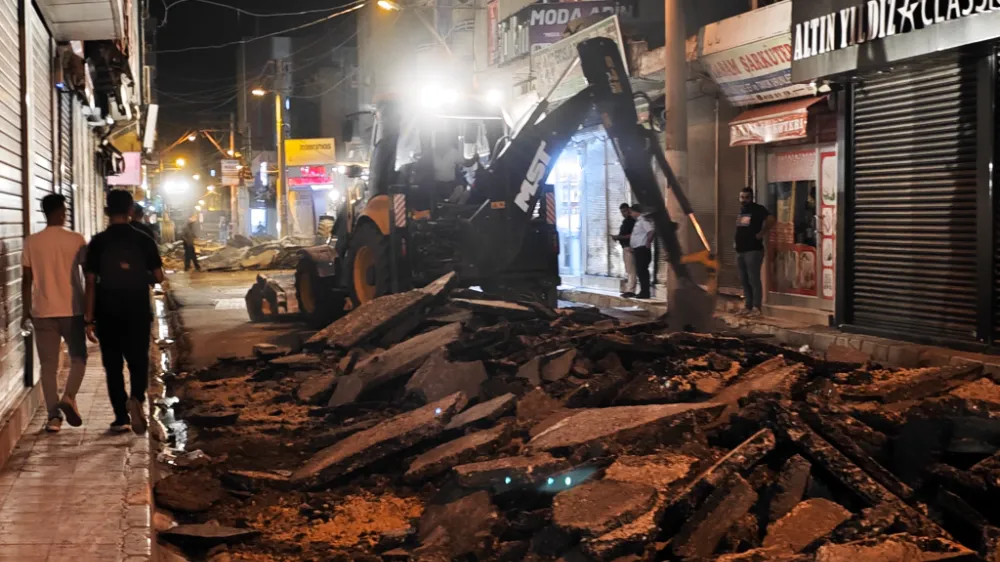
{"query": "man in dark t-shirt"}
pixel 120 264
pixel 623 237
pixel 139 223
pixel 752 225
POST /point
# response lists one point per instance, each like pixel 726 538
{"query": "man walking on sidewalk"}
pixel 623 237
pixel 641 242
pixel 53 303
pixel 188 236
pixel 751 228
pixel 120 263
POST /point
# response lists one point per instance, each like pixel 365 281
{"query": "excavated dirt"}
pixel 614 443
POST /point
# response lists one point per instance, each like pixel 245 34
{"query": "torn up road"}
pixel 437 425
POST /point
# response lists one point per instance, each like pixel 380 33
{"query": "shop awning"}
pixel 772 123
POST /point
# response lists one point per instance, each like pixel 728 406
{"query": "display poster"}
pixel 828 222
pixel 792 243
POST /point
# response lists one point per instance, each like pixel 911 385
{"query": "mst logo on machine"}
pixel 536 173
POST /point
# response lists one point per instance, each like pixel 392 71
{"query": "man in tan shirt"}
pixel 53 303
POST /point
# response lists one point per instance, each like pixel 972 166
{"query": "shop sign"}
pixel 877 19
pixel 230 172
pixel 782 127
pixel 750 56
pixel 308 152
pixel 548 64
pixel 538 25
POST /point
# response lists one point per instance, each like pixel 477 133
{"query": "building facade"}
pixel 74 99
pixel 915 93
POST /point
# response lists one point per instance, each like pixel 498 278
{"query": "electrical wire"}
pixel 328 90
pixel 358 5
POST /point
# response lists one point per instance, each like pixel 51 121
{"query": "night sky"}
pixel 197 88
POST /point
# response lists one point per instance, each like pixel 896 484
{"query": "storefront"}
pixel 915 89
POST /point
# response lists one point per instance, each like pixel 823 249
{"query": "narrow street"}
pixel 215 319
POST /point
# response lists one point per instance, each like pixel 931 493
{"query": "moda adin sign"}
pixel 877 19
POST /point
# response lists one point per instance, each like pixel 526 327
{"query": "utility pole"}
pixel 281 91
pixel 675 100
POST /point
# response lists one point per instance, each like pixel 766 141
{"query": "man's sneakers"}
pixel 121 425
pixel 54 425
pixel 628 295
pixel 68 407
pixel 138 416
pixel 754 313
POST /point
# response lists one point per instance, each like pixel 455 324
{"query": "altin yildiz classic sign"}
pixel 877 19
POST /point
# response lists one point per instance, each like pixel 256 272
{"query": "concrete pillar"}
pixel 675 132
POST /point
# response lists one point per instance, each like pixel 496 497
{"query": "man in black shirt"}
pixel 624 234
pixel 752 226
pixel 139 223
pixel 120 263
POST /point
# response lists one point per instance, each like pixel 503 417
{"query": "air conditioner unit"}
pixel 120 107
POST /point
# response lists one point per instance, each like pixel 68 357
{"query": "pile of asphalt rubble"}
pixel 442 424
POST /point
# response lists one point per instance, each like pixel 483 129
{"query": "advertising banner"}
pixel 548 64
pixel 538 25
pixel 828 222
pixel 310 152
pixel 132 174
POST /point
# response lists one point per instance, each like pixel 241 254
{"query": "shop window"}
pixel 793 241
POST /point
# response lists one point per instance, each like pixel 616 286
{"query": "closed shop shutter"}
pixel 596 208
pixel 41 115
pixel 11 203
pixel 913 216
pixel 65 148
pixel 617 192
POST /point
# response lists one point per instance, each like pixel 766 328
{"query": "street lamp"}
pixel 196 177
pixel 180 162
pixel 280 104
pixel 192 137
pixel 389 5
pixel 210 188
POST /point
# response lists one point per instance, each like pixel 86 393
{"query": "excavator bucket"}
pixel 692 309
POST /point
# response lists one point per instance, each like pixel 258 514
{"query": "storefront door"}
pixel 801 193
pixel 566 178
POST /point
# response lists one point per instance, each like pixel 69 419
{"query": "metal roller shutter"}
pixel 913 222
pixel 65 148
pixel 41 115
pixel 11 203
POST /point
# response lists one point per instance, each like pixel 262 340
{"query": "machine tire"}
pixel 315 295
pixel 367 268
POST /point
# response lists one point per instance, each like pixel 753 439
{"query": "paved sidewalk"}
pixel 81 495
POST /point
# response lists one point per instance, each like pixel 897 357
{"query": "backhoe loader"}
pixel 498 230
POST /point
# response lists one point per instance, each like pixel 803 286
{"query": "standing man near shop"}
pixel 139 221
pixel 53 307
pixel 752 227
pixel 623 237
pixel 641 242
pixel 120 264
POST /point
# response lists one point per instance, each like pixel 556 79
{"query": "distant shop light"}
pixel 322 186
pixel 263 173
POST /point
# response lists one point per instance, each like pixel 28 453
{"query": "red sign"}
pixel 772 129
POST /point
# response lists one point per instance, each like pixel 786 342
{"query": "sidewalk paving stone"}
pixel 80 495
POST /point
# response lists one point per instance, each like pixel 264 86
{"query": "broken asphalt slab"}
pixel 438 378
pixel 596 424
pixel 700 534
pixel 462 527
pixel 191 492
pixel 805 524
pixel 597 507
pixel 488 411
pixel 441 458
pixel 510 472
pixel 367 446
pixel 894 548
pixel 396 361
pixel 379 315
pixel 503 309
pixel 204 536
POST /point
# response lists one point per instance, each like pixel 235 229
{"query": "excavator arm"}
pixel 517 173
